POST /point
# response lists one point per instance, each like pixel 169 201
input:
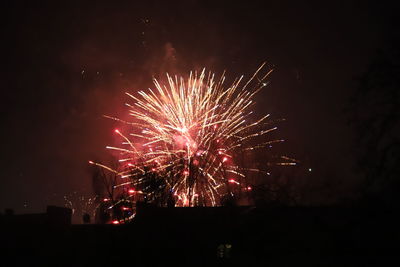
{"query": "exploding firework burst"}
pixel 185 136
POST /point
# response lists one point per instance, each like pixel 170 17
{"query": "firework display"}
pixel 184 139
pixel 82 205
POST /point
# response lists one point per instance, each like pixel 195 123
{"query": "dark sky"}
pixel 67 64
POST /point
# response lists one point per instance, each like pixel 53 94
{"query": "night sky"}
pixel 67 64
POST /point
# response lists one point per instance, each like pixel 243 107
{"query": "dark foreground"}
pixel 243 236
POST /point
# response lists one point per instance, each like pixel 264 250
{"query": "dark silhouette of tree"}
pixel 111 197
pixel 375 111
pixel 278 191
pixel 104 182
pixel 154 188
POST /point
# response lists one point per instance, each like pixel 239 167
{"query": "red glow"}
pixel 131 191
pixel 106 199
pixel 91 162
pixel 125 208
pixel 115 222
pixel 224 159
pixel 249 188
pixel 186 173
pixel 116 130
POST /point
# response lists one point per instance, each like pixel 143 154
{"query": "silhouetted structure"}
pixel 86 218
pixel 235 236
pixel 53 216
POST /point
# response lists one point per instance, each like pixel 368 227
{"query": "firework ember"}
pixel 184 137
